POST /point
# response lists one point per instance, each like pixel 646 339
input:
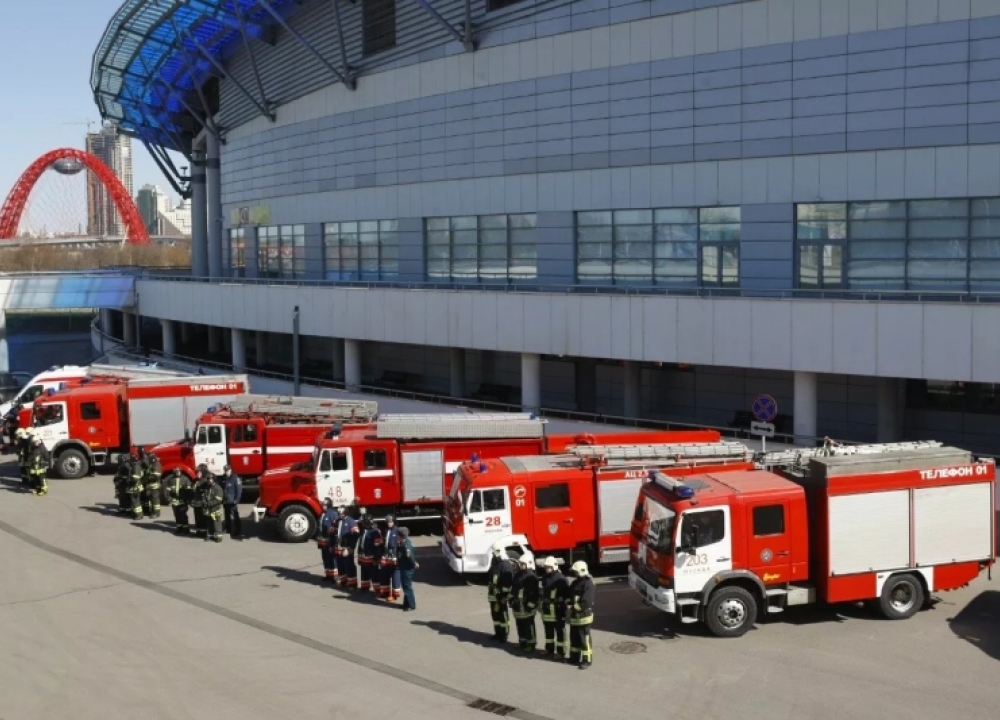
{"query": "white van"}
pixel 51 379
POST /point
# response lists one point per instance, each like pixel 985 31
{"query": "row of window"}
pixel 482 248
pixel 378 22
pixel 361 250
pixel 904 245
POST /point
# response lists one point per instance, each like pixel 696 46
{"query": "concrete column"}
pixel 4 352
pixel 585 380
pixel 260 339
pixel 239 342
pixel 213 204
pixel 457 374
pixel 531 382
pixel 890 410
pixel 352 364
pixel 128 329
pixel 632 389
pixel 107 323
pixel 167 329
pixel 338 359
pixel 804 389
pixel 199 216
pixel 214 339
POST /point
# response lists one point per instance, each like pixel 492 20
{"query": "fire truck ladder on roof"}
pixel 299 409
pixel 459 426
pixel 798 458
pixel 661 455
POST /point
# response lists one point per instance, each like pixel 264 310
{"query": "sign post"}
pixel 765 409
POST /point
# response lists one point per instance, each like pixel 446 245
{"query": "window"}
pixel 236 256
pixel 492 5
pixel 48 415
pixel 379 25
pixel 214 434
pixel 245 433
pixel 476 505
pixel 281 251
pixel 947 245
pixel 339 461
pixel 552 496
pixel 963 397
pixel 374 459
pixel 485 248
pixel 31 393
pixel 700 529
pixel 680 247
pixel 366 250
pixel 494 500
pixel 769 520
pixel 324 462
pixel 90 411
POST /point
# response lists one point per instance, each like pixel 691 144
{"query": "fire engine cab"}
pixel 885 524
pixel 94 423
pixel 254 433
pixel 579 502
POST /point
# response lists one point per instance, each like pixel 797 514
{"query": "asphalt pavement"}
pixel 103 617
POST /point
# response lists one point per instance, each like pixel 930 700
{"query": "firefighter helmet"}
pixel 21 432
pixel 580 569
pixel 551 562
pixel 528 560
pixel 498 549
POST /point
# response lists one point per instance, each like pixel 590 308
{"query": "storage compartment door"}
pixel 869 531
pixel 616 501
pixel 423 476
pixel 952 523
pixel 155 420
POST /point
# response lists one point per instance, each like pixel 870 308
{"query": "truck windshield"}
pixel 659 526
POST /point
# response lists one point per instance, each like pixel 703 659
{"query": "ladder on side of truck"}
pixel 662 455
pixel 798 457
pixel 459 426
pixel 285 409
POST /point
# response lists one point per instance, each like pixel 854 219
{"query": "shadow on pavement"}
pixel 12 485
pixel 158 525
pixel 978 623
pixel 462 634
pixel 306 577
pixel 109 509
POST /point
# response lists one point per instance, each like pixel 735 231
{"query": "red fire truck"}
pixel 254 433
pixel 403 463
pixel 575 504
pixel 93 423
pixel 888 525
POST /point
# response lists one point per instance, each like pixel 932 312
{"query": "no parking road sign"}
pixel 765 408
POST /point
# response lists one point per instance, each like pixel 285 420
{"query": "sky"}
pixel 46 100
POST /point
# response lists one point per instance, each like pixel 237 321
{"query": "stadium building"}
pixel 645 208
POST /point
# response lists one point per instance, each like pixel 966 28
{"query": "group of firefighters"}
pixel 360 556
pixel 514 584
pixel 140 489
pixel 33 459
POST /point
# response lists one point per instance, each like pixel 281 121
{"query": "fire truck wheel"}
pixel 902 596
pixel 731 612
pixel 296 523
pixel 72 465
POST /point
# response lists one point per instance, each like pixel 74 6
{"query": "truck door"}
pixel 246 448
pixel 769 545
pixel 704 548
pixel 487 519
pixel 335 476
pixel 210 448
pixel 51 422
pixel 553 518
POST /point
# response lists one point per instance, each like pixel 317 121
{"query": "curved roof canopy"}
pixel 156 55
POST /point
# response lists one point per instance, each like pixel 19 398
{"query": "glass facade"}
pixel 281 251
pixel 685 247
pixel 482 248
pixel 235 252
pixel 367 250
pixel 948 245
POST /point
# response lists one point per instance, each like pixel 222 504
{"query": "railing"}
pixel 595 289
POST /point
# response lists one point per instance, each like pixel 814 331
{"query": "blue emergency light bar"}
pixel 675 486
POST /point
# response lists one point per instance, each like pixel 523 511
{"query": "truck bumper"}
pixel 259 512
pixel 657 597
pixel 464 564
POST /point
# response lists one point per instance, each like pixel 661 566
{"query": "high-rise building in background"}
pixel 159 214
pixel 114 148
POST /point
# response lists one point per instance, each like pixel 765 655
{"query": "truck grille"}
pixel 645 573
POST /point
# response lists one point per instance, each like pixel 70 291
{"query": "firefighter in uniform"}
pixel 325 541
pixel 501 577
pixel 136 475
pixel 524 597
pixel 232 489
pixel 151 487
pixel 365 550
pixel 198 501
pixel 408 564
pixel 38 465
pixel 555 588
pixel 376 542
pixel 348 542
pixel 121 487
pixel 388 567
pixel 213 498
pixel 178 494
pixel 580 606
pixel 23 444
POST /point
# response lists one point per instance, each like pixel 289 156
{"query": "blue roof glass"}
pixel 152 58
